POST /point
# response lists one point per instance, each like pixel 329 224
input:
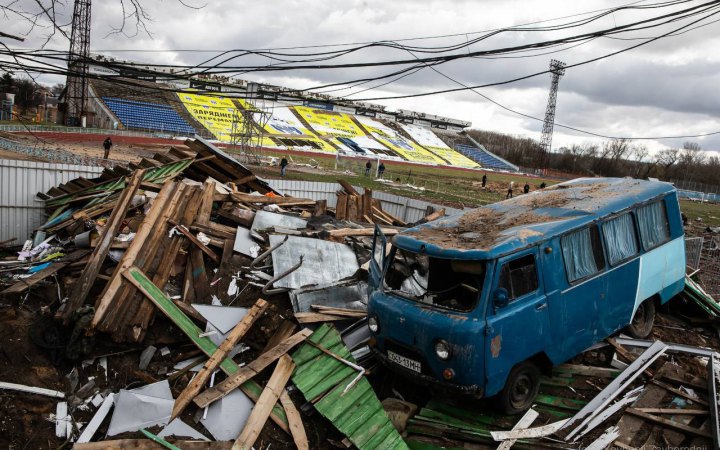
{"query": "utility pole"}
pixel 76 94
pixel 557 68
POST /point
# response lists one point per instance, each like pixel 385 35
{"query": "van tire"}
pixel 521 388
pixel 642 323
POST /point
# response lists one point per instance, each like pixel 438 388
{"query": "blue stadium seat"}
pixel 148 116
pixel 485 158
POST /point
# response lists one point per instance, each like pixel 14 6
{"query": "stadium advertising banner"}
pixel 397 143
pixel 284 123
pixel 430 141
pixel 329 123
pixel 214 113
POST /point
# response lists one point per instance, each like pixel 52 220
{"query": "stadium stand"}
pixel 147 116
pixel 485 158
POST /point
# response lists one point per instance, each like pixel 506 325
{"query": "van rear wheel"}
pixel 642 323
pixel 521 388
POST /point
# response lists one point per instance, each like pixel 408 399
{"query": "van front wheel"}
pixel 642 323
pixel 521 388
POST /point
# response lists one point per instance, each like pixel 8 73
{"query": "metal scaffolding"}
pixel 557 68
pixel 76 95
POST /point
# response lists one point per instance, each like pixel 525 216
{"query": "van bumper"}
pixel 473 391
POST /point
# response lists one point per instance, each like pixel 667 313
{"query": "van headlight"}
pixel 442 350
pixel 374 324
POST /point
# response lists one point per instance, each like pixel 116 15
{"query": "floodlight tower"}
pixel 76 93
pixel 557 69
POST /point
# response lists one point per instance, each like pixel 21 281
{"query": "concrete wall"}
pixel 20 211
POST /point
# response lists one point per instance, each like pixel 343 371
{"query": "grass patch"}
pixel 708 212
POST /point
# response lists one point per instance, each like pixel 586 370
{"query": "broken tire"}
pixel 642 323
pixel 521 388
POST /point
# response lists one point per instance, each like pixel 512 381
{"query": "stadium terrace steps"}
pixel 152 116
pixel 485 158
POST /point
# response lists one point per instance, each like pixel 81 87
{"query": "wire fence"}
pixel 702 254
pixel 57 155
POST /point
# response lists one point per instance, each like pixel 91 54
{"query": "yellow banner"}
pixel 214 113
pixel 453 157
pixel 329 123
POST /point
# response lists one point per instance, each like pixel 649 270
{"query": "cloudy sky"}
pixel 668 87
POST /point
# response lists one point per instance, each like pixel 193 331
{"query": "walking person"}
pixel 484 180
pixel 381 170
pixel 368 167
pixel 526 188
pixel 510 189
pixel 107 144
pixel 283 166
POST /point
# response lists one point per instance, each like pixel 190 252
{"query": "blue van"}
pixel 481 302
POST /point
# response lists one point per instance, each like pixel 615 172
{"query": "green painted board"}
pixel 192 331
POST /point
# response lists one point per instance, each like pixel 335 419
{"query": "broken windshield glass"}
pixel 446 283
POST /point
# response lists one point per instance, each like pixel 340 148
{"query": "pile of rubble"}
pixel 191 234
pixel 189 305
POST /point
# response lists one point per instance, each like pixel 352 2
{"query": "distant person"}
pixel 484 180
pixel 542 185
pixel 107 144
pixel 526 188
pixel 510 189
pixel 283 166
pixel 381 170
pixel 368 167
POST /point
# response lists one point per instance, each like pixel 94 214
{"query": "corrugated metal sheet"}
pixel 20 211
pixel 407 209
pixel 357 413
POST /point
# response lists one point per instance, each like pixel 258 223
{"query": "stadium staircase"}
pixel 147 116
pixel 485 158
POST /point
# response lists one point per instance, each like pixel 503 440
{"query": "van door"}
pixel 377 260
pixel 520 329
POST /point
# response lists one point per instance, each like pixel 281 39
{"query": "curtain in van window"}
pixel 653 224
pixel 578 254
pixel 620 238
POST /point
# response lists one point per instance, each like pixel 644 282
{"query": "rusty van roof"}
pixel 501 228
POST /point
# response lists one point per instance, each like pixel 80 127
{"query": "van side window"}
pixel 582 252
pixel 653 223
pixel 620 238
pixel 519 276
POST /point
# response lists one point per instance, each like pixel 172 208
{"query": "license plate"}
pixel 403 361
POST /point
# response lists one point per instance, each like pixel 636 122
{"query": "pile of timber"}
pixel 356 207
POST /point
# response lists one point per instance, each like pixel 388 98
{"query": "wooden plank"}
pixel 675 391
pixel 339 311
pixel 200 281
pixel 81 288
pixel 53 268
pixel 164 304
pixel 668 423
pixel 237 333
pixel 348 188
pixel 253 368
pixel 310 317
pixel 341 208
pixel 203 216
pixel 244 180
pixel 353 209
pixel 347 232
pixel 690 412
pixel 268 200
pixel 238 215
pixel 297 429
pixel 270 395
pixel 204 248
pixel 105 300
pixel 147 444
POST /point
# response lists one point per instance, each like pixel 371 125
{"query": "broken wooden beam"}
pixel 82 286
pixel 250 370
pixel 237 333
pixel 270 200
pixel 53 268
pixel 204 248
pixel 348 188
pixel 164 304
pixel 668 423
pixel 270 395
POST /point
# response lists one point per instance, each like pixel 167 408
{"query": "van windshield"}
pixel 446 283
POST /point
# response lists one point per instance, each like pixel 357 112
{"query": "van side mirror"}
pixel 501 297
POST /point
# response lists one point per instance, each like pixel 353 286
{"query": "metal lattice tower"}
pixel 557 68
pixel 77 85
pixel 248 127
